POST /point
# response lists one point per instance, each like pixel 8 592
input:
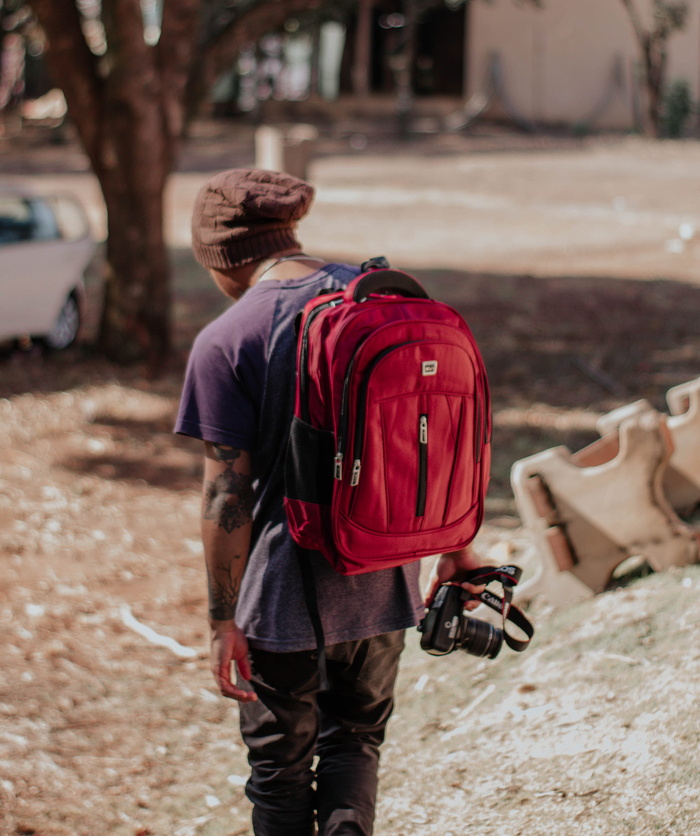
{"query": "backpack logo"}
pixel 429 367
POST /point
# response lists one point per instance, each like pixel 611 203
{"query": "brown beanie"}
pixel 245 215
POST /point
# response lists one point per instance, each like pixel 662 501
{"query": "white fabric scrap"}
pixel 237 780
pixel 422 682
pixel 151 636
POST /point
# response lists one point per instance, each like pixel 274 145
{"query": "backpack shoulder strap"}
pixel 311 598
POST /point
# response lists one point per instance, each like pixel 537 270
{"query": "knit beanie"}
pixel 245 215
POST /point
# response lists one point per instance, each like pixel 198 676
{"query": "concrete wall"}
pixel 558 60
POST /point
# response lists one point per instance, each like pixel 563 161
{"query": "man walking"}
pixel 238 399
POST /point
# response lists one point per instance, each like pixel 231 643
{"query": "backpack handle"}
pixel 386 281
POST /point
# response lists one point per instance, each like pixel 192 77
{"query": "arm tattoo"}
pixel 226 454
pixel 229 498
pixel 223 592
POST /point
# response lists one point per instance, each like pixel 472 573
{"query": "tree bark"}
pixel 128 108
pixel 136 317
pixel 133 157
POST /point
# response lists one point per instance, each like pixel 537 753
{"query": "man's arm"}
pixel 227 506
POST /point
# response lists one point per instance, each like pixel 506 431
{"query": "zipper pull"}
pixel 423 429
pixel 355 478
pixel 338 466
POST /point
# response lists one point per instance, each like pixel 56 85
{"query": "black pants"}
pixel 293 720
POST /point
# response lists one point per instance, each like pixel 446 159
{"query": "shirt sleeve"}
pixel 222 391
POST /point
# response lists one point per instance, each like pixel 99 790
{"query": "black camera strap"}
pixel 508 576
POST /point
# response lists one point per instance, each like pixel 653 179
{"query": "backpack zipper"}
pixel 360 411
pixel 422 465
pixel 477 435
pixel 343 418
pixel 305 352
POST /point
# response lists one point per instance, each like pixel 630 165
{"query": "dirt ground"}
pixel 110 722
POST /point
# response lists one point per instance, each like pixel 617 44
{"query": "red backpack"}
pixel 389 450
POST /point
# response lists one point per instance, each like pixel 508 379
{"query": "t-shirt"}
pixel 239 391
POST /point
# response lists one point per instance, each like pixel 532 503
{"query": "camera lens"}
pixel 481 638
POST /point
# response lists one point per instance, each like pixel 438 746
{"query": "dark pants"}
pixel 293 720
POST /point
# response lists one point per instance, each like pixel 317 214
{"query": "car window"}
pixel 45 226
pixel 70 217
pixel 26 219
pixel 15 219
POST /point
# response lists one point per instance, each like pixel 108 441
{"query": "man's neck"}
pixel 290 265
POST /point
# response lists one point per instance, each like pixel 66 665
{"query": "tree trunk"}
pixel 128 110
pixel 135 156
pixel 363 49
pixel 136 314
pixel 655 73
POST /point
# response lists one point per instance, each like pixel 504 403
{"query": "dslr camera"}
pixel 447 627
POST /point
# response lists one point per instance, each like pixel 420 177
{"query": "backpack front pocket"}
pixel 414 475
pixel 411 441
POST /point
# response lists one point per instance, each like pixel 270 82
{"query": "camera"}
pixel 446 627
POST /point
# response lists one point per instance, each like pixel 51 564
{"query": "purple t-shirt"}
pixel 239 391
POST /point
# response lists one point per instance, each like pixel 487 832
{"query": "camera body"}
pixel 446 626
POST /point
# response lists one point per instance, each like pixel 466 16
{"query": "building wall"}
pixel 558 61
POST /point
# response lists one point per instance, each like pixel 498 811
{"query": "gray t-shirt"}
pixel 239 391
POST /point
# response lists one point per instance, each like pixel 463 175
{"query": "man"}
pixel 238 398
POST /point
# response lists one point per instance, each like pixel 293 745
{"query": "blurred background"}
pixel 534 164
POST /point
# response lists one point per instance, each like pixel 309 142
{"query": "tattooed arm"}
pixel 227 505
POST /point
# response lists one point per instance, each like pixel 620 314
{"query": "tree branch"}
pixel 175 57
pixel 72 65
pixel 131 60
pixel 635 20
pixel 220 50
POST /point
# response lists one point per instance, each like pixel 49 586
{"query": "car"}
pixel 45 247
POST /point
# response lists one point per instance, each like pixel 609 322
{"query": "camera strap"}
pixel 508 576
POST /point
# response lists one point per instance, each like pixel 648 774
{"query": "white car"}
pixel 45 247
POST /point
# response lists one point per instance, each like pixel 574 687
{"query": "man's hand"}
pixel 229 644
pixel 451 568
